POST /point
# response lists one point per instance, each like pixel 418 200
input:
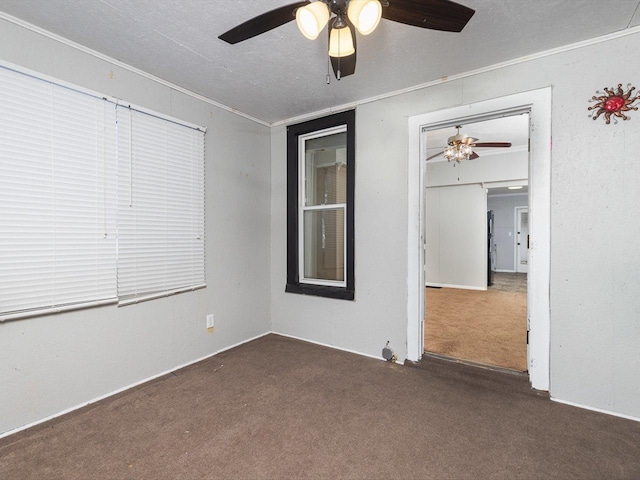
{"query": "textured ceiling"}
pixel 281 75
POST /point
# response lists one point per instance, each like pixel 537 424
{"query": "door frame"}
pixel 538 104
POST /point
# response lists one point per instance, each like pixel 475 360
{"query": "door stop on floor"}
pixel 388 355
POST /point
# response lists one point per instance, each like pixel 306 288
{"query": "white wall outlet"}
pixel 210 320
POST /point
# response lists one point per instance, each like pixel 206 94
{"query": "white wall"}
pixel 339 322
pixel 52 363
pixel 456 237
pixel 456 216
pixel 504 228
pixel 594 283
pixel 504 166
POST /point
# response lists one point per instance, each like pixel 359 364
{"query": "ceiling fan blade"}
pixel 493 144
pixel 262 23
pixel 442 15
pixel 433 156
pixel 473 156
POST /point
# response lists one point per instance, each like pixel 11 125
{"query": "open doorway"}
pixel 476 243
pixel 538 104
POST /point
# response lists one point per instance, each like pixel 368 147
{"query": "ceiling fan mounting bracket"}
pixel 460 138
pixel 338 7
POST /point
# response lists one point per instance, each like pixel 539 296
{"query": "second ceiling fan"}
pixel 345 16
pixel 460 147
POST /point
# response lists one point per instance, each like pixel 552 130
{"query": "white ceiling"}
pixel 281 75
pixel 492 192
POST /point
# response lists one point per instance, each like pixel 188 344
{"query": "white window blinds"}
pixel 97 202
pixel 160 207
pixel 57 197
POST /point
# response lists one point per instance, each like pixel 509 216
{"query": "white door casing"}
pixel 538 104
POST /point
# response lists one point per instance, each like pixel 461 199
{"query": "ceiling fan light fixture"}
pixel 341 42
pixel 365 15
pixel 460 147
pixel 457 152
pixel 312 18
pixel 449 153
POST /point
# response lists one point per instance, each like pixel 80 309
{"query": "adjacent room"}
pixel 475 254
pixel 320 239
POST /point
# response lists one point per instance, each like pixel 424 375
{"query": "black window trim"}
pixel 347 118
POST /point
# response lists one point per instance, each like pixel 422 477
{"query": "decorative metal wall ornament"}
pixel 613 102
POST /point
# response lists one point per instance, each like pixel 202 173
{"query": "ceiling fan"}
pixel 346 16
pixel 460 147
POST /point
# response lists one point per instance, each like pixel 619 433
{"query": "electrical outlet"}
pixel 210 320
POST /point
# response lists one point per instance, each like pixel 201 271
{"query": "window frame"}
pixel 296 135
pixel 304 208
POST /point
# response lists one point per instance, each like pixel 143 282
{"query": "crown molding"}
pixel 125 66
pixel 331 110
pixel 470 73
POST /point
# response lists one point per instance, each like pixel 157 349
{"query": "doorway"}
pixel 469 243
pixel 538 103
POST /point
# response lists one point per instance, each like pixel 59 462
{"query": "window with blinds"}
pixel 160 207
pixel 97 202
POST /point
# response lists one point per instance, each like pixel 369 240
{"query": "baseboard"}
pixel 504 271
pixel 594 409
pixel 462 287
pixel 153 377
pixel 115 392
pixel 334 347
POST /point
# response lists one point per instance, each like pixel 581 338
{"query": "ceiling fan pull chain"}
pixel 328 70
pixel 338 75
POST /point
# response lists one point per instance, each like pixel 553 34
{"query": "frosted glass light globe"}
pixel 312 18
pixel 365 15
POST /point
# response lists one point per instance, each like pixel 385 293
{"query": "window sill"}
pixel 339 293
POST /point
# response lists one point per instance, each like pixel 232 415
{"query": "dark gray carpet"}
pixel 280 408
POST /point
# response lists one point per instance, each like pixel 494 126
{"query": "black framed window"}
pixel 320 200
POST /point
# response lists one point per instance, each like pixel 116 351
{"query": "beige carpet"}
pixel 481 326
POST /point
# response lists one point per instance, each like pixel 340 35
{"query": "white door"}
pixel 522 239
